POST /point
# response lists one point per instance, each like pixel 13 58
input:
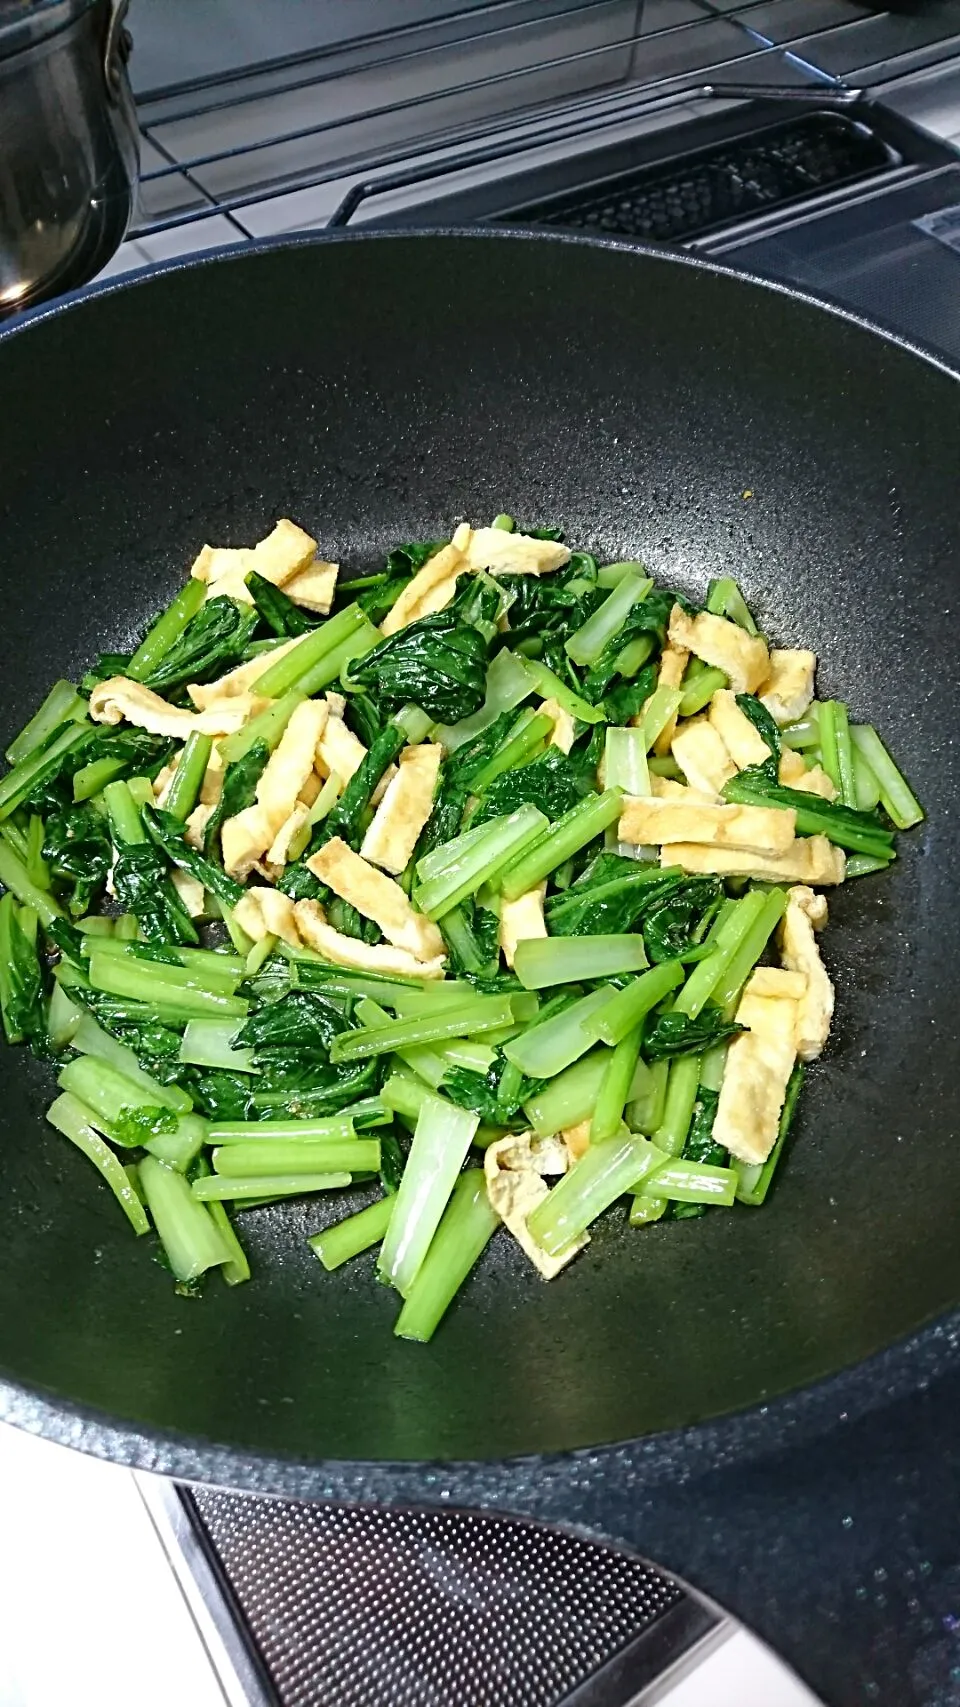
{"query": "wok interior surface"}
pixel 378 389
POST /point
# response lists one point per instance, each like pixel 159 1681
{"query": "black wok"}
pixel 377 389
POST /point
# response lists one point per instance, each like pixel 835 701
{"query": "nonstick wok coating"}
pixel 378 389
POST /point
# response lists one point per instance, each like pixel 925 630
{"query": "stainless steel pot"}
pixel 69 148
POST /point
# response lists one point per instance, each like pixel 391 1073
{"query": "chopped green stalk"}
pixel 542 962
pixel 836 750
pixel 278 1158
pixel 613 573
pixel 70 1117
pixel 141 790
pixel 91 1039
pixel 198 968
pixel 184 790
pixel 483 1013
pixel 178 1149
pixel 713 1061
pixel 209 1043
pixel 547 1049
pixel 865 785
pixel 498 842
pixel 15 877
pixel 237 1269
pixel 166 631
pixel 663 704
pixel 898 801
pixel 437 1153
pixel 415 723
pixel 466 1228
pixel 625 761
pixel 645 1210
pixel 106 1091
pixel 218 1188
pixel 189 1236
pixel 634 655
pixel 551 687
pixel 504 522
pixel 666 766
pixel 752 945
pixel 63 1018
pixel 509 682
pixel 404 1093
pixel 586 645
pixel 124 814
pixel 96 925
pixel 570 1097
pixel 753 1181
pixel 20 984
pixel 528 735
pixel 646 1112
pixel 290 670
pixel 335 666
pixel 346 1239
pixel 621 1068
pixel 805 732
pixel 863 865
pixel 602 1175
pixel 848 783
pixel 408 1000
pixel 260 952
pixel 724 598
pixel 336 1127
pixel 267 726
pixel 325 802
pixel 729 933
pixel 90 780
pixel 127 928
pixel 693 1182
pixel 62 705
pixel 699 692
pixel 624 1009
pixel 37 869
pixel 682 1084
pixel 144 981
pixel 25 776
pixel 560 841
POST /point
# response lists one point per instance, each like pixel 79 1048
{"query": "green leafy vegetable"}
pixel 169 834
pixel 700 1147
pixel 860 832
pixel 677 1034
pixel 766 728
pixel 677 916
pixel 438 662
pixel 136 1125
pixel 143 888
pixel 21 983
pixel 279 612
pixel 551 782
pixel 78 849
pixel 239 791
pixel 211 644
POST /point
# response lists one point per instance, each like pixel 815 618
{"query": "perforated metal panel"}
pixel 353 1607
pixel 773 168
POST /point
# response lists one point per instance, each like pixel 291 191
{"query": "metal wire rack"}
pixel 500 80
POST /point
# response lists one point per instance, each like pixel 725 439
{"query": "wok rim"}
pixel 518 1483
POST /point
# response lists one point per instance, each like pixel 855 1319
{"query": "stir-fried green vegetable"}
pixel 496 915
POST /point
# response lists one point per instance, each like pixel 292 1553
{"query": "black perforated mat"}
pixel 356 1607
pixel 714 186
